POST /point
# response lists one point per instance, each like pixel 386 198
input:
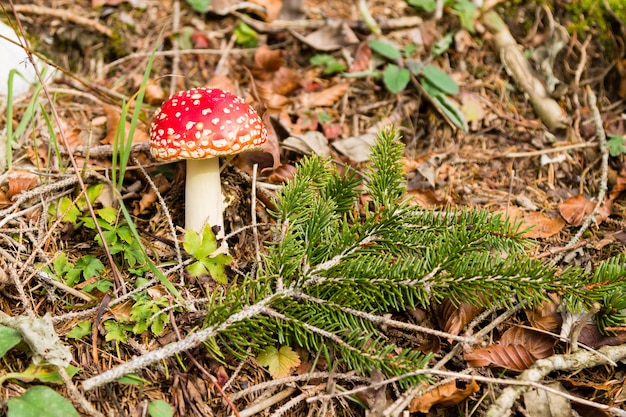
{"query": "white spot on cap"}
pixel 189 125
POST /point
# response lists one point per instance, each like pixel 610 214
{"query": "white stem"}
pixel 203 195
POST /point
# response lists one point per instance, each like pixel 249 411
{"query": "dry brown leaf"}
pixel 154 93
pixel 543 226
pixel 148 198
pixel 546 316
pixel 222 82
pixel 576 209
pixel 537 225
pixel 326 97
pixel 39 156
pixel 518 349
pixel 448 394
pixel 272 8
pixel 591 336
pixel 283 173
pixel 113 119
pixel 19 181
pixel 362 58
pixel 425 198
pixel 453 318
pixel 4 200
pixel 266 62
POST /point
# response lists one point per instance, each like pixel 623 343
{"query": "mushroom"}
pixel 200 125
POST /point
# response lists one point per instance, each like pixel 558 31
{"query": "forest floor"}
pixel 479 131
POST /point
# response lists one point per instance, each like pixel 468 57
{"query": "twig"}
pixel 267 403
pixel 65 15
pixel 78 396
pixel 549 150
pixel 255 231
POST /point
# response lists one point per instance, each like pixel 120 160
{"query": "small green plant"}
pixel 203 247
pixel 436 84
pixel 616 145
pixel 37 400
pixel 200 6
pixel 246 36
pixel 329 63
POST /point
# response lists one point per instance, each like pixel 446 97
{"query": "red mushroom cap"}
pixel 203 123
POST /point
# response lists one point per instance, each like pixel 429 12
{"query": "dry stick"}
pixel 600 134
pixel 255 231
pixel 62 14
pixel 264 386
pixel 266 403
pixel 76 395
pixel 385 321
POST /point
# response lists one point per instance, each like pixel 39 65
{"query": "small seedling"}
pixel 329 63
pixel 203 248
pixel 616 145
pixel 246 36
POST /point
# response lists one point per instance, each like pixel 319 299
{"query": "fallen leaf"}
pixel 20 181
pixel 283 173
pixel 272 8
pixel 453 318
pixel 311 142
pixel 536 225
pixel 222 82
pixel 326 97
pixel 447 394
pixel 357 148
pixel 576 209
pixel 426 199
pixel 266 62
pixel 334 35
pixel 280 362
pixel 542 225
pixel 113 120
pixel 541 403
pixel 517 349
pixel 148 198
pixel 546 316
pixel 362 58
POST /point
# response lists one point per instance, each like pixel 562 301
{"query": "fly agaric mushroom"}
pixel 200 125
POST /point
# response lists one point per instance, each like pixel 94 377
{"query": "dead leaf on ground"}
pixel 537 225
pixel 541 403
pixel 453 318
pixel 362 58
pixel 148 198
pixel 312 142
pixel 113 120
pixel 591 336
pixel 546 316
pixel 448 394
pixel 332 36
pixel 272 8
pixel 20 181
pixel 517 349
pixel 576 209
pixel 426 199
pixel 326 97
pixel 222 82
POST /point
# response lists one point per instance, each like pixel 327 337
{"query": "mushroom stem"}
pixel 203 195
